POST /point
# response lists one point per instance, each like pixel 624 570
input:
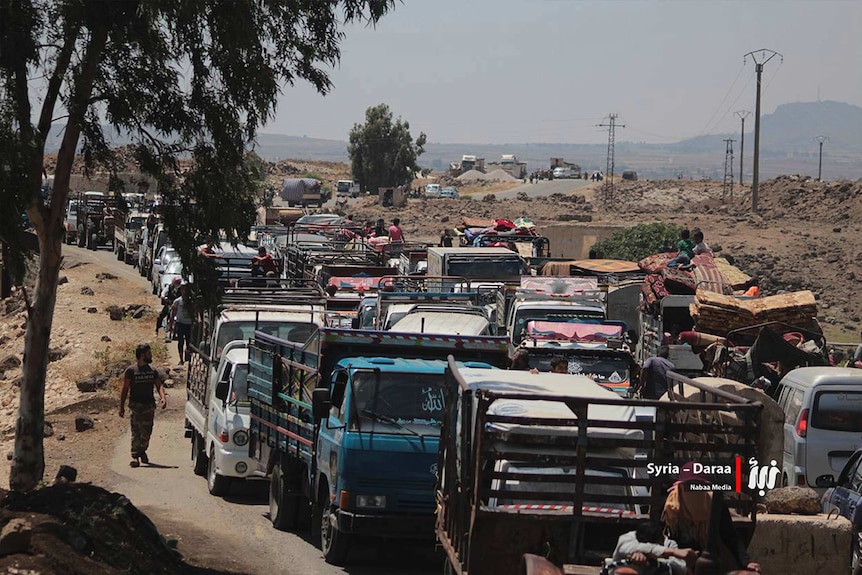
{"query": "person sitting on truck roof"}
pixel 654 374
pixel 380 230
pixel 262 264
pixel 687 517
pixel 685 248
pixel 700 246
pixel 648 548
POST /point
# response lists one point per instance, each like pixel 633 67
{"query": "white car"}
pixel 432 191
pixel 166 255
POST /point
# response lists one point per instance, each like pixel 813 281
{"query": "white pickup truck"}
pixel 216 410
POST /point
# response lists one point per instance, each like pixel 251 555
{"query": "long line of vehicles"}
pixel 368 385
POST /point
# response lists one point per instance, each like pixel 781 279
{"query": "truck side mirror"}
pixel 222 389
pixel 825 481
pixel 320 403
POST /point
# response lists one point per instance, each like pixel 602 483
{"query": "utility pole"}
pixel 820 140
pixel 609 170
pixel 728 170
pixel 742 115
pixel 760 58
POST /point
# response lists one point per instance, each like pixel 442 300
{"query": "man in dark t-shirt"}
pixel 139 382
pixel 654 374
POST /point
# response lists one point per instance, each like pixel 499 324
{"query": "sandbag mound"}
pixel 770 439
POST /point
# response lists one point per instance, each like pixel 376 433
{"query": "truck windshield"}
pixel 242 330
pixel 409 399
pixel 135 224
pixel 239 386
pixel 609 372
pixel 522 316
pixel 490 269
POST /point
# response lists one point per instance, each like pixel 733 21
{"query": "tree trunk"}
pixel 28 464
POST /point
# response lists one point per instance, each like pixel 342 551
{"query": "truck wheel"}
pixel 217 485
pixel 93 245
pixel 282 504
pixel 120 253
pixel 335 544
pixel 199 456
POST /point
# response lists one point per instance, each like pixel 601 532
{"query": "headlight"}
pixel 240 438
pixel 372 501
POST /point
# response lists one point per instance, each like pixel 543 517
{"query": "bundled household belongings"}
pixel 719 314
pixel 705 273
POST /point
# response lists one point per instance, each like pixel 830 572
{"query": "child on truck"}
pixel 647 551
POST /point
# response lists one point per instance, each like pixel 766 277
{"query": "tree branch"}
pixel 56 81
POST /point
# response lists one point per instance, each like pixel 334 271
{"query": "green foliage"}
pixel 188 82
pixel 382 152
pixel 638 242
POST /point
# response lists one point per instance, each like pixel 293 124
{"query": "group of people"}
pixel 673 546
pixel 177 310
pixel 690 244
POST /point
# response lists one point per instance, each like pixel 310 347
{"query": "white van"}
pixel 822 423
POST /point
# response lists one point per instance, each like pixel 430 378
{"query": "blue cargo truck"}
pixel 347 428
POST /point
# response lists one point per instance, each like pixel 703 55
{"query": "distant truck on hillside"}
pixel 302 192
pixel 510 164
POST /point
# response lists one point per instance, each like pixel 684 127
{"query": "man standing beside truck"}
pixel 139 381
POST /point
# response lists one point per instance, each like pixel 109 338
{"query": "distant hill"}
pixel 787 147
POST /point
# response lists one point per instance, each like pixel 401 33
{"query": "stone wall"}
pixel 812 544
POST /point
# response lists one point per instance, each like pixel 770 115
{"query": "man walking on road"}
pixel 139 381
pixel 181 323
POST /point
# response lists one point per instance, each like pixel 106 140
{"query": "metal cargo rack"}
pixel 716 428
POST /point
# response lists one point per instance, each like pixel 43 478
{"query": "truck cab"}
pixel 226 421
pixel 674 317
pixel 377 450
pixel 526 307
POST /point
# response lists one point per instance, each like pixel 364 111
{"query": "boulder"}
pixel 789 500
pixel 47 429
pixel 62 280
pixel 57 354
pixel 84 422
pixel 86 385
pixel 10 362
pixel 115 312
pixel 105 276
pixel 87 291
pixel 92 310
pixel 106 338
pixel 15 537
pixel 66 474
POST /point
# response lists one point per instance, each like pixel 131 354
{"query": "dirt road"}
pixel 231 533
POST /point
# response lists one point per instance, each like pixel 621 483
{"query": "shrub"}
pixel 638 242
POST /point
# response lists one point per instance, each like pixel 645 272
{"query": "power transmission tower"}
pixel 742 115
pixel 760 57
pixel 820 140
pixel 609 170
pixel 728 170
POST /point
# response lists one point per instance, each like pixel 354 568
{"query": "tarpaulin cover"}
pixel 355 283
pixel 573 331
pixel 560 285
pixel 606 266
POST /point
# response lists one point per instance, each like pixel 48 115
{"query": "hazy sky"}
pixel 500 71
